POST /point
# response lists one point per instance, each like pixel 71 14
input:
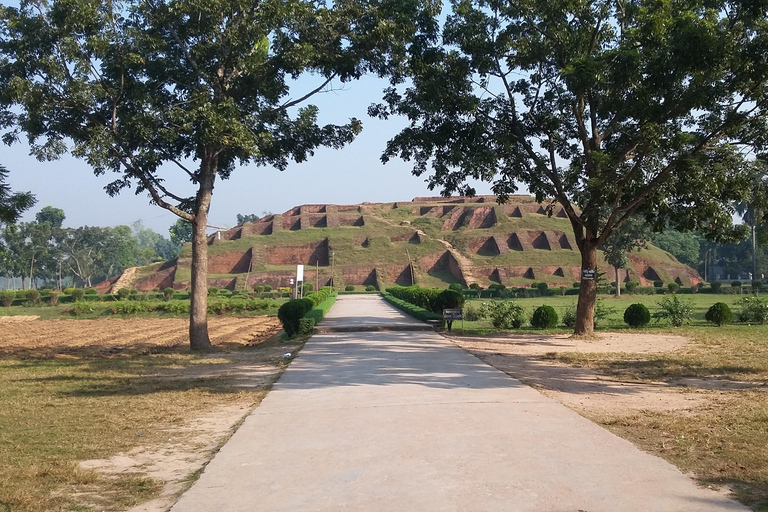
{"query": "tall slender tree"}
pixel 611 108
pixel 143 85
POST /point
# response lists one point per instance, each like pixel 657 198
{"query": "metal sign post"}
pixel 449 315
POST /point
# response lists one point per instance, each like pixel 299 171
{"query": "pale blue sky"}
pixel 351 175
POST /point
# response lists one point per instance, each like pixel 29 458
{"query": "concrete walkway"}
pixel 357 313
pixel 406 421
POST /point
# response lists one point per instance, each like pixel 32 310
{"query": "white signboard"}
pixel 299 273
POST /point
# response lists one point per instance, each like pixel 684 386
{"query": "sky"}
pixel 351 175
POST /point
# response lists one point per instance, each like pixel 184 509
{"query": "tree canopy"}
pixel 12 204
pixel 612 109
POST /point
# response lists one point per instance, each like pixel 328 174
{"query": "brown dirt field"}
pixel 527 357
pixel 116 336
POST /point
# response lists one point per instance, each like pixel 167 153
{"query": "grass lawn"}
pixel 64 402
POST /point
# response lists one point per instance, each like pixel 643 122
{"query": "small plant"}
pixel 33 296
pixel 715 286
pixel 370 288
pixel 569 317
pixel 637 315
pixel 504 315
pixel 349 288
pixel 123 293
pixel 658 283
pixel 545 317
pixel 719 313
pixel 168 293
pixel 7 297
pixel 80 307
pixel 77 294
pixel 471 313
pixel 213 291
pixel 563 289
pixel 53 297
pixel 754 310
pixel 631 286
pixel 673 287
pixel 258 289
pixel 677 311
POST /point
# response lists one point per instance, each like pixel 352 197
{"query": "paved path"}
pixel 365 313
pixel 406 421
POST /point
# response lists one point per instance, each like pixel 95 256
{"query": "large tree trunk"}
pixel 198 306
pixel 585 310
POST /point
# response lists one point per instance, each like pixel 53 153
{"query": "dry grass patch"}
pixel 145 414
pixel 701 404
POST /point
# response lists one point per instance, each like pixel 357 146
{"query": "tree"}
pixel 12 204
pixel 181 232
pixel 752 209
pixel 606 109
pixel 95 253
pixel 199 86
pixel 248 217
pixel 632 235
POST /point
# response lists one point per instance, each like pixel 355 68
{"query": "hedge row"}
pixel 431 299
pixel 181 307
pixel 299 316
pixel 411 309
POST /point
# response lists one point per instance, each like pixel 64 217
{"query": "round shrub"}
pixel 213 291
pixel 658 283
pixel 68 291
pixel 349 288
pixel 370 288
pixel 569 317
pixel 455 287
pixel 735 284
pixel 258 289
pixel 168 293
pixel 576 285
pixel 719 313
pixel 447 299
pixel 91 291
pixel 757 286
pixel 7 297
pixel 543 288
pixel 637 315
pixel 715 286
pixel 33 296
pixel 545 317
pixel 631 286
pixel 53 297
pixel 78 293
pixel 673 287
pixel 267 288
pixel 308 288
pixel 475 286
pixel 123 293
pixel 291 312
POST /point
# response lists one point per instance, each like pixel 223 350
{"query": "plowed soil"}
pixel 116 336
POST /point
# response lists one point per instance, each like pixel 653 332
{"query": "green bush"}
pixel 576 285
pixel 673 287
pixel 168 293
pixel 370 288
pixel 422 297
pixel 719 313
pixel 757 286
pixel 563 290
pixel 677 311
pixel 504 314
pixel 33 296
pixel 319 296
pixel 267 288
pixel 637 315
pixel 91 291
pixel 68 291
pixel 569 317
pixel 349 288
pixel 735 284
pixel 213 291
pixel 7 297
pixel 306 326
pixel 471 313
pixel 78 294
pixel 123 293
pixel 447 299
pixel 658 283
pixel 291 312
pixel 631 286
pixel 753 310
pixel 455 287
pixel 53 297
pixel 307 287
pixel 543 288
pixel 175 307
pixel 715 286
pixel 544 317
pixel 475 286
pixel 408 307
pixel 132 307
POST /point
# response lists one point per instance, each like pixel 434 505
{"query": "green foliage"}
pixel 637 315
pixel 415 311
pixel 447 299
pixel 543 288
pixel 421 297
pixel 658 283
pixel 735 284
pixel 81 307
pixel 291 312
pixel 7 297
pixel 91 291
pixel 544 317
pixel 471 313
pixel 677 311
pixel 53 297
pixel 504 314
pixel 455 287
pixel 673 287
pixel 78 294
pixel 754 310
pixel 349 288
pixel 306 326
pixel 683 246
pixel 631 286
pixel 267 288
pixel 123 293
pixel 132 307
pixel 715 286
pixel 180 232
pixel 719 313
pixel 12 204
pixel 307 287
pixel 68 291
pixel 33 296
pixel 213 291
pixel 318 312
pixel 168 293
pixel 757 286
pixel 475 286
pixel 569 317
pixel 370 288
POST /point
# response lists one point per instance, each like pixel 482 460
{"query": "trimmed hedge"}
pixel 421 297
pixel 406 307
pixel 545 317
pixel 291 312
pixel 719 313
pixel 319 311
pixel 637 315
